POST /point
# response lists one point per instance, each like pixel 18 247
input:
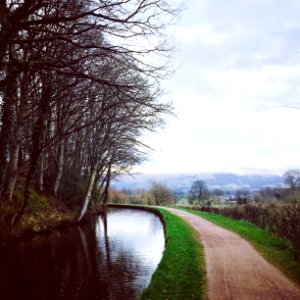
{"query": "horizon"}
pixel 200 175
pixel 240 172
pixel 181 183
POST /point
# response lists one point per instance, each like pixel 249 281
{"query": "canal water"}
pixel 105 258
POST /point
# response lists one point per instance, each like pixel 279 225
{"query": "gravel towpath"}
pixel 235 270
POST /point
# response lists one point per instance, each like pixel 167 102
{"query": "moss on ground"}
pixel 43 214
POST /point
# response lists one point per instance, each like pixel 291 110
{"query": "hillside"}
pixel 181 183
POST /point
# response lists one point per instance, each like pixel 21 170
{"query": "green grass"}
pixel 277 251
pixel 181 272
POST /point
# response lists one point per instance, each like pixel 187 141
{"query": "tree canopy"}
pixel 79 86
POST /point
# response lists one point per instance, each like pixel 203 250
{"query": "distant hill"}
pixel 181 183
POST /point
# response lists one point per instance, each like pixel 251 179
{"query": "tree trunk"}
pixel 13 172
pixel 40 179
pixel 13 168
pixel 87 196
pixel 96 187
pixel 60 162
pixel 105 193
pixel 16 218
pixel 36 150
pixel 7 119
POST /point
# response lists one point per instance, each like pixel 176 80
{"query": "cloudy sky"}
pixel 237 74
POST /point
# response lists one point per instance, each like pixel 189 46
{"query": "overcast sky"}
pixel 237 67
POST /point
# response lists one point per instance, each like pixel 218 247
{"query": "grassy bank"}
pixel 277 251
pixel 43 214
pixel 181 272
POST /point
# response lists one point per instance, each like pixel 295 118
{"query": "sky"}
pixel 235 88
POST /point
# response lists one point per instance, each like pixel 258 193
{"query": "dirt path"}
pixel 234 269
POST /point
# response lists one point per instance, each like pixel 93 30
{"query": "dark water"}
pixel 107 258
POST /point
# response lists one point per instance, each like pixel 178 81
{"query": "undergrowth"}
pixel 43 213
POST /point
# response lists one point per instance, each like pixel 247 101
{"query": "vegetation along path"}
pixel 234 269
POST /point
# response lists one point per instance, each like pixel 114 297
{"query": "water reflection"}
pixel 112 257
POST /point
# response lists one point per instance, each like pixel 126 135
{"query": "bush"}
pixel 117 197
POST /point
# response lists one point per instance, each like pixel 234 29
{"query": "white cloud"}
pixel 203 33
pixel 239 64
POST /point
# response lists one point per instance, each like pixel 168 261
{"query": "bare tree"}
pixel 160 194
pixel 242 195
pixel 292 179
pixel 198 192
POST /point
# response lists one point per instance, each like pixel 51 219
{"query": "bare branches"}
pixel 79 89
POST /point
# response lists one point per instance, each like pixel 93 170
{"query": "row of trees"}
pixel 78 88
pixel 160 194
pixel 199 192
pixel 288 194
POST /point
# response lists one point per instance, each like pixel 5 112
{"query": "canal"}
pixel 110 257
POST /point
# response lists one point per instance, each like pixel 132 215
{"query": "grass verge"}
pixel 277 251
pixel 181 272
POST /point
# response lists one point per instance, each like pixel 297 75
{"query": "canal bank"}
pixel 111 256
pixel 180 273
pixel 43 216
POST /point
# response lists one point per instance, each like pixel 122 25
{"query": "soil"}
pixel 234 269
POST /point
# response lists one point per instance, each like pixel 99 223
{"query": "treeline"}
pixel 158 194
pixel 79 85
